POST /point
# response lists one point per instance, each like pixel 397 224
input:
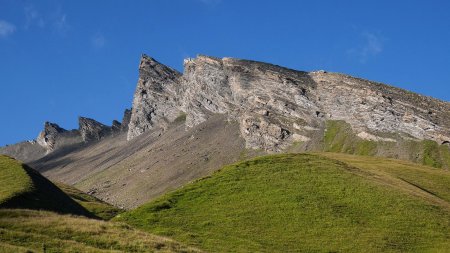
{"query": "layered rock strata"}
pixel 276 106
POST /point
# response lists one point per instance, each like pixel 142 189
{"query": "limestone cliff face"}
pixel 156 98
pixel 276 106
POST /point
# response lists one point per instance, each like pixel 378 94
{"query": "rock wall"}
pixel 276 106
pixel 92 130
pixel 156 98
pixel 47 138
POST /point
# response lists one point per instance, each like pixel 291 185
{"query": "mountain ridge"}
pixel 183 126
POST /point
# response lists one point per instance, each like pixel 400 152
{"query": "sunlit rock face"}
pixel 276 106
pixel 156 98
pixel 48 136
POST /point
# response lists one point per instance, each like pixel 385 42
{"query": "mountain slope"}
pixel 307 202
pixel 23 187
pixel 183 126
pixel 39 231
pixel 129 173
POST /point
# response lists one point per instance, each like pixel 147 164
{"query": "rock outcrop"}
pixel 276 106
pixel 116 126
pixel 92 130
pixel 156 98
pixel 126 120
pixel 47 138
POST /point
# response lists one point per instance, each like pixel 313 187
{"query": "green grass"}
pixel 94 205
pixel 306 203
pixel 25 230
pixel 34 231
pixel 431 154
pixel 340 138
pixel 421 181
pixel 14 181
pixel 23 187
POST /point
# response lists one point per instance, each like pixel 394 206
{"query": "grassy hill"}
pixel 307 203
pixel 94 205
pixel 42 231
pixel 22 187
pixel 25 230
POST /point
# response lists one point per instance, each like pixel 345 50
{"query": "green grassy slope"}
pixel 94 205
pixel 23 187
pixel 33 231
pixel 305 203
pixel 339 137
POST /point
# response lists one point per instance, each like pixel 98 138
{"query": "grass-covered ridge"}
pixel 303 203
pixel 22 187
pixel 42 231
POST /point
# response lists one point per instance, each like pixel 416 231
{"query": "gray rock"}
pixel 126 120
pixel 276 106
pixel 156 98
pixel 116 126
pixel 92 130
pixel 47 138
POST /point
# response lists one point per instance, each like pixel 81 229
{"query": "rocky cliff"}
pixel 276 107
pixel 92 130
pixel 47 137
pixel 156 99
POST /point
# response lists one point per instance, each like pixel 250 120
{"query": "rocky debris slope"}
pixel 129 173
pixel 276 106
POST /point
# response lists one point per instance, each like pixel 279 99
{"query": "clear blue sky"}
pixel 64 59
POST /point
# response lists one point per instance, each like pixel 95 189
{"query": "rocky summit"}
pixel 276 106
pixel 47 138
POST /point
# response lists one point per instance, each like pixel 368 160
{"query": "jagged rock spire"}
pixel 48 136
pixel 155 99
pixel 92 130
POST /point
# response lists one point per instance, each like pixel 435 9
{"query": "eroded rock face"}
pixel 116 126
pixel 156 98
pixel 126 120
pixel 380 108
pixel 276 106
pixel 92 130
pixel 47 138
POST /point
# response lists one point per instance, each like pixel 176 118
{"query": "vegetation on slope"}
pixel 302 203
pixel 14 180
pixel 94 205
pixel 23 187
pixel 42 231
pixel 339 137
pixel 422 181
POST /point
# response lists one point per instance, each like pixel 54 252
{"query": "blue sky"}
pixel 64 59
